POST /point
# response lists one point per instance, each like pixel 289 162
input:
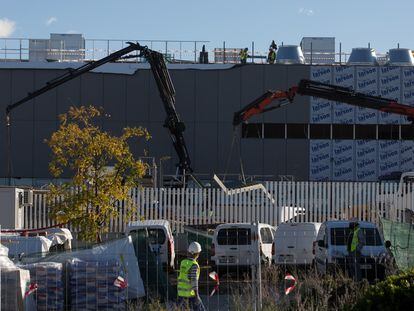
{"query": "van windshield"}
pixel 339 236
pixel 234 236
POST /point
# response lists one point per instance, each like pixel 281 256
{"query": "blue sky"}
pixel 352 22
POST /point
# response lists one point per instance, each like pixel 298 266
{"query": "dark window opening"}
pixel 407 131
pixel 234 236
pixel 266 235
pixel 299 131
pixel 365 131
pixel 342 131
pixel 339 236
pixel 252 130
pixel 388 131
pixel 320 131
pixel 274 130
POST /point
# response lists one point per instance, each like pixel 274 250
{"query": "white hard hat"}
pixel 194 248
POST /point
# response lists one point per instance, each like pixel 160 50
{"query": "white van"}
pixel 293 243
pixel 161 239
pixel 234 244
pixel 331 247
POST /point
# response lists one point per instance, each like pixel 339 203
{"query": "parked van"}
pixel 331 248
pixel 233 244
pixel 293 243
pixel 161 239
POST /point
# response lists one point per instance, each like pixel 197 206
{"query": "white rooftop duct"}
pixel 401 57
pixel 362 56
pixel 290 54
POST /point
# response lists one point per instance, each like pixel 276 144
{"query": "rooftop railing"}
pixel 176 51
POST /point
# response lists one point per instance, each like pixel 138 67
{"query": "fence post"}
pixel 224 52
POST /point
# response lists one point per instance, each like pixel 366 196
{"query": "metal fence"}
pixel 295 201
pixel 177 51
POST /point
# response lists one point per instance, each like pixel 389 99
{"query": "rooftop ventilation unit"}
pixel 362 56
pixel 401 57
pixel 289 54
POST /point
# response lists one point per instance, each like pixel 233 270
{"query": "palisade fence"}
pixel 294 201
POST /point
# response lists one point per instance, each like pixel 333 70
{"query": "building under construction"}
pixel 311 139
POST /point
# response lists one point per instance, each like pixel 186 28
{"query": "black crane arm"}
pixel 321 90
pixel 165 87
pixel 348 96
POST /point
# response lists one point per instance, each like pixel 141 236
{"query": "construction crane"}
pixel 321 90
pixel 165 87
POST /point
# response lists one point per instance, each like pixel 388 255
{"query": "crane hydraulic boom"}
pixel 165 87
pixel 321 90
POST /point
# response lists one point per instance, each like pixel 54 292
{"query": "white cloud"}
pixel 51 20
pixel 7 27
pixel 305 11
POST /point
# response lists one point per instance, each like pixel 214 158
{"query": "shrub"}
pixel 396 292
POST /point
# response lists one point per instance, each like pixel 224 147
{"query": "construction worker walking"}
pixel 243 55
pixel 271 56
pixel 355 243
pixel 187 285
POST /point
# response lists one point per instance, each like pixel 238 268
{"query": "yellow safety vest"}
pixel 183 284
pixel 243 55
pixel 355 240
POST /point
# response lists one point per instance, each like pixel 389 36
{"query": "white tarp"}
pixel 389 82
pixel 320 108
pixel 367 83
pixel 18 244
pixel 344 76
pixel 121 250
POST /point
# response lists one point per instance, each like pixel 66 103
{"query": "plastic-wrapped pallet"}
pixel 50 290
pixel 13 284
pixel 92 285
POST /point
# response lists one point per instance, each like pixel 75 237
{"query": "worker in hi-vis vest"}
pixel 187 283
pixel 355 243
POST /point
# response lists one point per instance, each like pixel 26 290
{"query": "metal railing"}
pixel 176 51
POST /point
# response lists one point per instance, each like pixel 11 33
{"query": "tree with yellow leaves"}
pixel 102 170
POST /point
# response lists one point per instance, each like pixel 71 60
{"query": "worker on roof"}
pixel 187 283
pixel 355 243
pixel 243 55
pixel 271 56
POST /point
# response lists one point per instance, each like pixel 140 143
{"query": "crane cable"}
pixel 233 141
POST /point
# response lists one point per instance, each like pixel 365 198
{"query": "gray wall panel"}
pixel 114 97
pixel 156 108
pixel 298 112
pixel 205 148
pixel 206 102
pixel 41 151
pixel 138 96
pixel 69 94
pixel 297 153
pixel 92 92
pixel 275 79
pixel 22 84
pixel 206 99
pixel 185 88
pixel 225 154
pixel 252 156
pixel 229 94
pixel 22 148
pixel 274 157
pixel 252 86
